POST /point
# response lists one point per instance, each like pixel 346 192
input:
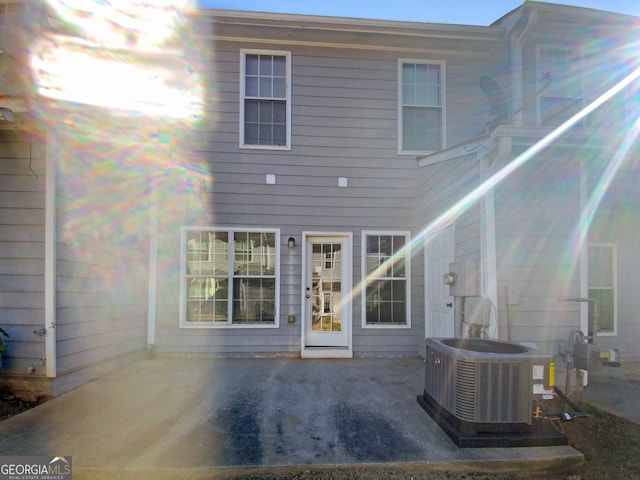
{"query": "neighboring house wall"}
pixel 102 255
pixel 22 284
pixel 568 59
pixel 615 225
pixel 623 236
pixel 100 287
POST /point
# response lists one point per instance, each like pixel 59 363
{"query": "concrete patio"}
pixel 201 417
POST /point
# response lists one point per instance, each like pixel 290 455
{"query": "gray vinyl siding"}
pixel 626 239
pixel 443 186
pixel 21 249
pixel 344 124
pixel 467 107
pixel 536 250
pixel 616 222
pixel 102 256
pixel 537 217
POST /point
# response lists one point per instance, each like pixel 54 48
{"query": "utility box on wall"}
pixel 466 279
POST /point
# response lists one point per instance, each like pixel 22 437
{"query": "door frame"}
pixel 347 288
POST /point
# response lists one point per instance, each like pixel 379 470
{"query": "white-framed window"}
pixel 602 262
pixel 421 106
pixel 265 99
pixel 559 85
pixel 386 270
pixel 230 277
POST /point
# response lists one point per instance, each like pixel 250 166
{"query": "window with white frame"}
pixel 265 104
pixel 230 277
pixel 421 106
pixel 559 85
pixel 602 286
pixel 386 265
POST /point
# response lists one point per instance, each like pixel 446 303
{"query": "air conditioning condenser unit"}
pixel 482 392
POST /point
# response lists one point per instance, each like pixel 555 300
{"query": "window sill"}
pixel 266 147
pixel 385 326
pixel 226 326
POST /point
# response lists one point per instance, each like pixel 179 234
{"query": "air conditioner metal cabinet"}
pixel 484 385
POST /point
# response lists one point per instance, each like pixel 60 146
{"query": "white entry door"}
pixel 439 307
pixel 327 305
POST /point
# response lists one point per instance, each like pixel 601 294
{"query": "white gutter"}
pixel 480 147
pixel 517 98
pixel 584 250
pixel 350 24
pixel 50 258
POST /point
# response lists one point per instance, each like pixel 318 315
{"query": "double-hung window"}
pixel 602 287
pixel 421 114
pixel 265 99
pixel 559 85
pixel 230 278
pixel 386 273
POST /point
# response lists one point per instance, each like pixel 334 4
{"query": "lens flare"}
pixel 127 56
pixel 604 181
pixel 476 194
pixel 120 87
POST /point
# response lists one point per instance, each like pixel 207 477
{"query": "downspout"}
pixel 584 269
pixel 489 277
pixel 50 258
pixel 517 97
pixel 153 269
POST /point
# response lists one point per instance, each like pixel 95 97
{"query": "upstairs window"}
pixel 559 86
pixel 265 110
pixel 421 107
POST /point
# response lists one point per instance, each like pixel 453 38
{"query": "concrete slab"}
pixel 204 415
pixel 611 388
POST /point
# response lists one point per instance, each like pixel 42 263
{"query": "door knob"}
pixel 450 305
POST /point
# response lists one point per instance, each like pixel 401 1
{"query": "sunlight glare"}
pixel 127 56
pixel 476 194
pixel 121 87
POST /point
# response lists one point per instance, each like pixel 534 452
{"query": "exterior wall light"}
pixel 292 242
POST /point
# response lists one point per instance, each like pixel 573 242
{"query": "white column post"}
pixel 50 257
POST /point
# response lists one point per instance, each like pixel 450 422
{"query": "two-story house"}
pixel 338 168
